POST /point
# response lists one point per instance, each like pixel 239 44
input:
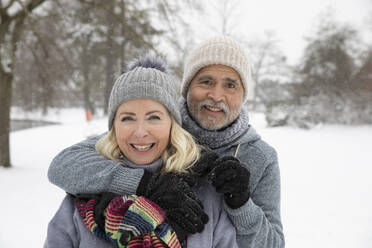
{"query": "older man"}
pixel 216 84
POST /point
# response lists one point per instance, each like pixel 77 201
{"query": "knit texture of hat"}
pixel 145 78
pixel 220 50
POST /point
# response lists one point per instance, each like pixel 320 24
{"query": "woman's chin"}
pixel 143 160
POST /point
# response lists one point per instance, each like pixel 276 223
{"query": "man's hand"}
pixel 231 178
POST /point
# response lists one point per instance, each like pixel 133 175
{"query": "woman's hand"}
pixel 205 164
pixel 184 212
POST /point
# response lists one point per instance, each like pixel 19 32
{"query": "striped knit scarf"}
pixel 130 222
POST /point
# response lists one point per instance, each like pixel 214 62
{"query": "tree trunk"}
pixel 46 96
pixel 86 64
pixel 110 60
pixel 10 32
pixel 110 63
pixel 5 100
pixel 88 105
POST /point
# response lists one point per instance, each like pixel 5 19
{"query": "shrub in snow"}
pixel 322 108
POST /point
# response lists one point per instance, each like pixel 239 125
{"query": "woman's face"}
pixel 142 128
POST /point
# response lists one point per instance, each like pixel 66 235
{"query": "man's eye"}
pixel 205 82
pixel 231 86
pixel 154 117
pixel 126 118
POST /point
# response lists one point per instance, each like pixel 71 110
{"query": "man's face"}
pixel 215 96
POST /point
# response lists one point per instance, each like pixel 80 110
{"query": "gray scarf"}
pixel 218 138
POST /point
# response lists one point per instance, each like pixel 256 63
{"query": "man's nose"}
pixel 216 94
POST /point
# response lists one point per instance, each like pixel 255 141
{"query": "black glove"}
pixel 145 180
pixel 201 168
pixel 100 208
pixel 205 164
pixel 231 178
pixel 184 212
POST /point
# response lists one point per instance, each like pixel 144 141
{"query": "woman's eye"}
pixel 231 86
pixel 154 117
pixel 126 118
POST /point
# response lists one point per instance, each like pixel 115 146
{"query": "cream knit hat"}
pixel 222 50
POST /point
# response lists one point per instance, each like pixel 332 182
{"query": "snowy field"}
pixel 326 181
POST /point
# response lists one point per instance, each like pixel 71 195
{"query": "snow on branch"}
pixel 17 8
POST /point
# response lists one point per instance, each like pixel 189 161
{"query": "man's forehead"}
pixel 219 68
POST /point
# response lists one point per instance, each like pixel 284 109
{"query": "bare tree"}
pixel 227 12
pixel 137 31
pixel 78 47
pixel 268 61
pixel 60 51
pixel 12 23
pixel 269 65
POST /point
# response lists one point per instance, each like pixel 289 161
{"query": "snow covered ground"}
pixel 326 181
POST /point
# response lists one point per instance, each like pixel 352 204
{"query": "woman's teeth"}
pixel 142 148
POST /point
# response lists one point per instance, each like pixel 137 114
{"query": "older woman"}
pixel 145 132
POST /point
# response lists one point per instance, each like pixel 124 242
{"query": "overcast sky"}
pixel 290 20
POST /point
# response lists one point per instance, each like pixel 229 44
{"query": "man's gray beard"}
pixel 210 123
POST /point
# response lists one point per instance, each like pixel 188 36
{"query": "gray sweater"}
pixel 79 169
pixel 67 230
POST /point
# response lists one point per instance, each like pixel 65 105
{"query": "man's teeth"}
pixel 211 108
pixel 142 148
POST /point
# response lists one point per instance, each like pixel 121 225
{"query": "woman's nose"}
pixel 140 131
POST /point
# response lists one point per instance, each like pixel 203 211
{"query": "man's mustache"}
pixel 212 103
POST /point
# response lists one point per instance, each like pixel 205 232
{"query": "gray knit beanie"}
pixel 146 77
pixel 220 50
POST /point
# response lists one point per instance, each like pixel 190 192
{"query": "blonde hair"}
pixel 181 153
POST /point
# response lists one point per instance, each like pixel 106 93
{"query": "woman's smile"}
pixel 143 148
